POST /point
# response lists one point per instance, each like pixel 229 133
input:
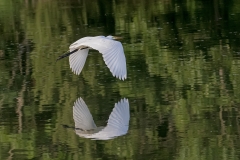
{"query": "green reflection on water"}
pixel 183 75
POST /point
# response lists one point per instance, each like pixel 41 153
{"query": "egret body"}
pixel 111 50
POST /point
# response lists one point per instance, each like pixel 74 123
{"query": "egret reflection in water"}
pixel 117 124
pixel 112 52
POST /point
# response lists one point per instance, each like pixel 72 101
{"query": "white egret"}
pixel 117 123
pixel 112 52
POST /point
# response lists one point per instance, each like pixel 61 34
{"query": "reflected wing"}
pixel 82 116
pixel 118 122
pixel 112 52
pixel 77 60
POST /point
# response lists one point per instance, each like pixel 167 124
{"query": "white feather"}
pixel 111 50
pixel 117 125
pixel 77 60
pixel 118 122
pixel 82 116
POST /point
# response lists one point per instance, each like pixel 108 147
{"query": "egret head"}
pixel 114 37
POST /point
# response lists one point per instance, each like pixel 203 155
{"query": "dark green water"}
pixel 183 85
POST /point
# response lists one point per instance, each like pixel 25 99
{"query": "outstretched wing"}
pixel 82 116
pixel 112 52
pixel 77 60
pixel 119 118
pixel 118 122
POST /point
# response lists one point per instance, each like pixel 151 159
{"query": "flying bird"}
pixel 112 52
pixel 117 124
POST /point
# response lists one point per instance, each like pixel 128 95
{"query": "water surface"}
pixel 183 64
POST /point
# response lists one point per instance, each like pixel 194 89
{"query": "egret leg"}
pixel 66 126
pixel 67 54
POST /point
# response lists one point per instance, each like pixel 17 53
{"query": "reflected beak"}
pixel 117 38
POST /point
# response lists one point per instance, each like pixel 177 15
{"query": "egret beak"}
pixel 117 38
pixel 66 54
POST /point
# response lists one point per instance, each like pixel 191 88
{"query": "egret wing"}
pixel 118 122
pixel 82 116
pixel 112 52
pixel 77 60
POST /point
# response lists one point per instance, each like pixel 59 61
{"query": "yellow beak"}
pixel 117 38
